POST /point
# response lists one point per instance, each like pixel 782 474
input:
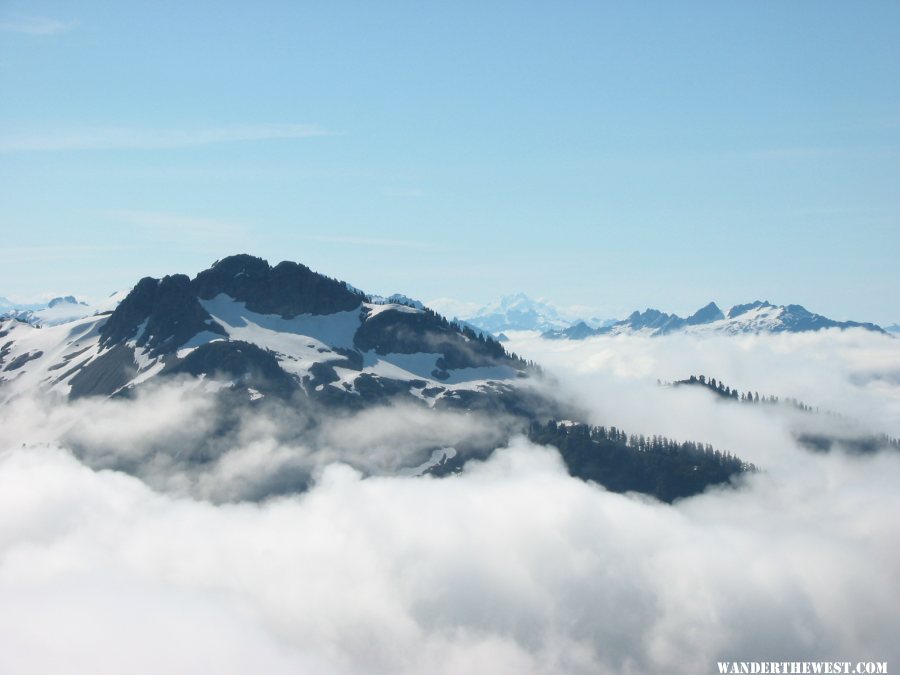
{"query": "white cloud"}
pixel 365 241
pixel 55 252
pixel 163 224
pixel 178 438
pixel 853 373
pixel 510 567
pixel 34 25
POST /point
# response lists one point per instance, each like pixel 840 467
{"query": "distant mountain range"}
pixel 518 312
pixel 57 311
pixel 754 317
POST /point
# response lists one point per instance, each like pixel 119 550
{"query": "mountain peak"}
pixel 288 289
pixel 240 264
pixel 706 314
pixel 737 310
pixel 516 311
pixel 301 332
pixel 759 316
pixel 64 300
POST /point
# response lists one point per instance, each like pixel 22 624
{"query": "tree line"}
pixel 723 390
pixel 655 465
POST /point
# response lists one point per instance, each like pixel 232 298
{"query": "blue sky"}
pixel 618 155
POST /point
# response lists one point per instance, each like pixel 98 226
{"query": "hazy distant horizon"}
pixel 612 308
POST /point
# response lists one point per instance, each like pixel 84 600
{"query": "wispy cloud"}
pixel 366 241
pixel 128 138
pixel 34 25
pixel 791 153
pixel 176 223
pixel 51 253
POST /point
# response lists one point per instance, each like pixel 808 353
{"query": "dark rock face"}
pixel 395 332
pixel 135 307
pixel 68 299
pixel 579 331
pixel 706 314
pixel 171 311
pixel 653 318
pixel 22 359
pixel 288 289
pixel 106 374
pixel 373 389
pixel 245 363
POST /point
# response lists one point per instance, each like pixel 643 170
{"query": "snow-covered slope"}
pixel 284 331
pixel 754 317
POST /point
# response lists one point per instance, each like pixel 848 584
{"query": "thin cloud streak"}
pixel 35 26
pixel 365 241
pixel 177 223
pixel 23 254
pixel 125 138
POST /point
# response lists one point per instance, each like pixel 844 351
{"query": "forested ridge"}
pixel 861 442
pixel 655 465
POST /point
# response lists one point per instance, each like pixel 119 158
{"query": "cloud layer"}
pixel 185 440
pixel 510 567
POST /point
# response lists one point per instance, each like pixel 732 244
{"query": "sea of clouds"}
pixel 510 567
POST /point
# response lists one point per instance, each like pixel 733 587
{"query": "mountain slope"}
pixel 284 343
pixel 282 330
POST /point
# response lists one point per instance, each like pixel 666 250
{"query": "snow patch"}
pixel 437 456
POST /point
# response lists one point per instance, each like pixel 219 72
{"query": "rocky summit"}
pixel 281 331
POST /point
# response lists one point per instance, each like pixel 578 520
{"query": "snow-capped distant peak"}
pixel 760 316
pixel 517 312
pixel 706 314
pixel 66 300
pixel 61 309
pixel 737 310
